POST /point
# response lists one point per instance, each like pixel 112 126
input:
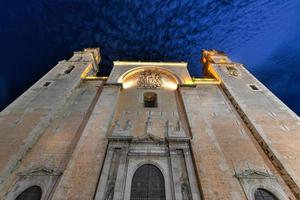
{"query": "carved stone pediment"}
pixel 40 171
pixel 254 174
pixel 148 138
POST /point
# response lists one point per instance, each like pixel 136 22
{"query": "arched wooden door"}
pixel 148 184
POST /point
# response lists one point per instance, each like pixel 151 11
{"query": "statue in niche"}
pixel 149 79
pixel 177 127
pixel 148 124
pixel 117 125
pixel 128 125
pixel 168 125
pixel 110 192
pixel 185 191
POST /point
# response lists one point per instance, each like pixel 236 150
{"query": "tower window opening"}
pixel 70 68
pixel 253 87
pixel 31 193
pixel 47 84
pixel 150 100
pixel 261 194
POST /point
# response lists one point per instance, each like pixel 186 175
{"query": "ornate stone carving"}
pixel 112 174
pixel 128 125
pixel 117 125
pixel 40 171
pixel 125 131
pixel 185 191
pixel 253 173
pixel 177 127
pixel 148 127
pixel 174 131
pixel 232 71
pixel 148 138
pixel 149 79
pixel 110 192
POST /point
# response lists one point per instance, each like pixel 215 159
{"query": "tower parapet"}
pixel 210 57
pixel 95 52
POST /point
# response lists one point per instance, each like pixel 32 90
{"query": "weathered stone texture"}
pixel 84 137
pixel 272 122
pixel 34 114
pixel 221 145
pixel 81 175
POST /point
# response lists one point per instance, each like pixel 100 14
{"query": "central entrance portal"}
pixel 148 184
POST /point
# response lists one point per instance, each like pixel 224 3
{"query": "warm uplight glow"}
pixel 130 78
pixel 84 74
pixel 204 81
pixel 222 60
pixel 86 71
pixel 129 84
pixel 166 84
pixel 169 85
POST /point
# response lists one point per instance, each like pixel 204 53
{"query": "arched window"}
pixel 150 100
pixel 262 194
pixel 31 193
pixel 148 183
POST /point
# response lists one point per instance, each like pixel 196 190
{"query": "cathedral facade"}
pixel 149 131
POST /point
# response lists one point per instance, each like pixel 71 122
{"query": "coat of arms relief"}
pixel 149 79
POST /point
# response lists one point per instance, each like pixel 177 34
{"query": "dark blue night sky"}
pixel 263 35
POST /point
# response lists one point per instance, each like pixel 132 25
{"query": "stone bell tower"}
pixel 149 131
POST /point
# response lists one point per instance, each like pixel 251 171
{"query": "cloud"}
pixel 139 30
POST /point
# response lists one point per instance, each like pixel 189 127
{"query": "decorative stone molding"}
pixel 232 71
pixel 148 138
pixel 40 171
pixel 253 173
pixel 253 179
pixel 42 176
pixel 125 131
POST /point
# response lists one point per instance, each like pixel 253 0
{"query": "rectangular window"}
pixel 70 68
pixel 253 87
pixel 47 84
pixel 150 100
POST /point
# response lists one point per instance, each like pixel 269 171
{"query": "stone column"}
pixel 104 175
pixel 175 174
pixel 121 175
pixel 191 174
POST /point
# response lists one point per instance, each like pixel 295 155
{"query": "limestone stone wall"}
pixel 225 140
pixel 272 123
pixel 222 146
pixel 79 180
pixel 130 109
pixel 38 131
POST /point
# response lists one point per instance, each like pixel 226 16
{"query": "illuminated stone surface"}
pixel 79 136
